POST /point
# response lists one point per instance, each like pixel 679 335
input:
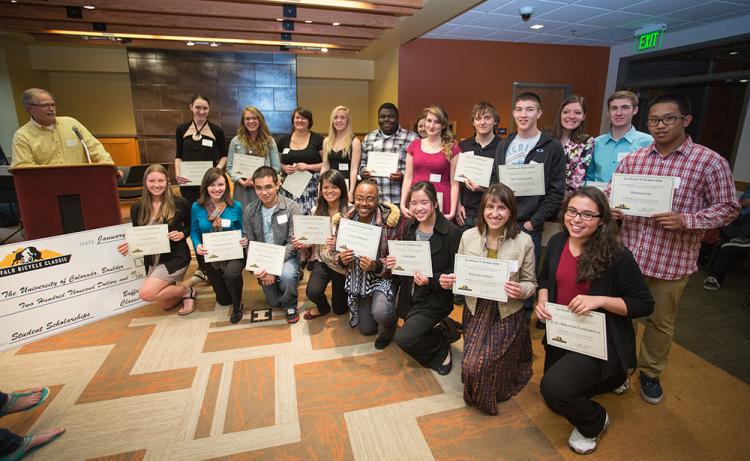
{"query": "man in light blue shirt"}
pixel 622 139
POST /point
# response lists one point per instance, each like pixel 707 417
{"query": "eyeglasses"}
pixel 49 105
pixel 585 215
pixel 669 120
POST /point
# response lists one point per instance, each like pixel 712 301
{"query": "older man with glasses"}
pixel 51 140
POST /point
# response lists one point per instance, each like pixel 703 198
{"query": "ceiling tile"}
pixel 469 32
pixel 573 13
pixel 616 18
pixel 607 34
pixel 490 5
pixel 507 36
pixel 707 11
pixel 583 41
pixel 466 17
pixel 662 7
pixel 608 4
pixel 567 30
pixel 440 30
pixel 496 21
pixel 525 26
pixel 542 39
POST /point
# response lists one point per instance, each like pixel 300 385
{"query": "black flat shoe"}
pixel 445 369
pixel 383 340
pixel 237 315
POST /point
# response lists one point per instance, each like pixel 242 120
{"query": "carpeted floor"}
pixel 149 385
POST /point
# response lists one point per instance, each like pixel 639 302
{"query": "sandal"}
pixel 192 296
pixel 309 315
pixel 25 449
pixel 13 398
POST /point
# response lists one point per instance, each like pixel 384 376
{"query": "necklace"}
pixel 198 136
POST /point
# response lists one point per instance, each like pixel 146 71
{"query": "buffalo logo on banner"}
pixel 30 258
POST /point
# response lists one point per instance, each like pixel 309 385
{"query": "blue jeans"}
pixel 536 237
pixel 283 293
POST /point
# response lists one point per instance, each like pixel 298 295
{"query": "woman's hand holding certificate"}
pixel 410 257
pixel 585 333
pixel 194 171
pixel 147 240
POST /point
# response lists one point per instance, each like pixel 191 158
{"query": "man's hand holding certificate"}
pixel 585 333
pixel 244 165
pixel 265 257
pixel 523 180
pixel 194 171
pixel 311 230
pixel 642 195
pixel 411 257
pixel 475 168
pixel 382 164
pixel 222 246
pixel 481 277
pixel 362 239
pixel 148 240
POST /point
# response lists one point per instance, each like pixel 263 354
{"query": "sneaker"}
pixel 383 340
pixel 292 316
pixel 651 389
pixel 741 242
pixel 585 445
pixel 711 284
pixel 624 387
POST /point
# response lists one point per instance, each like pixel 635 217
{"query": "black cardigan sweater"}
pixel 179 252
pixel 623 279
pixel 443 247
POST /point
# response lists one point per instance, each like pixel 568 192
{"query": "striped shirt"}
pixel 705 198
pixel 377 141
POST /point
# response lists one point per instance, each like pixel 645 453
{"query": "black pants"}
pixel 419 338
pixel 570 380
pixel 9 442
pixel 227 283
pixel 316 287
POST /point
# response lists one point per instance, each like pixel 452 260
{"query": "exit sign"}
pixel 649 38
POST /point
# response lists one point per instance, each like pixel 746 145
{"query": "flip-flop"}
pixel 13 398
pixel 309 315
pixel 22 451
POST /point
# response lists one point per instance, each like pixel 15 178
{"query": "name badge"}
pixel 282 219
pixel 344 167
pixel 285 151
pixel 226 223
pixel 70 142
pixel 435 178
pixel 207 142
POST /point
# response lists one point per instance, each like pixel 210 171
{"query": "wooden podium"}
pixel 61 199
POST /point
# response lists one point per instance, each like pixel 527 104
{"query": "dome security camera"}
pixel 526 13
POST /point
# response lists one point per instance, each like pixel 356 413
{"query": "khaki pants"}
pixel 657 337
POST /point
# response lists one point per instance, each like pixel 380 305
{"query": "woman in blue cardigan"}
pixel 587 269
pixel 215 211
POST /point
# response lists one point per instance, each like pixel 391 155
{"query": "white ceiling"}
pixel 583 22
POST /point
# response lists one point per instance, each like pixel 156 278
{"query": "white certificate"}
pixel 363 239
pixel 585 334
pixel 194 171
pixel 266 256
pixel 382 163
pixel 222 246
pixel 523 180
pixel 147 240
pixel 599 185
pixel 297 182
pixel 641 195
pixel 474 167
pixel 411 257
pixel 481 277
pixel 244 165
pixel 312 229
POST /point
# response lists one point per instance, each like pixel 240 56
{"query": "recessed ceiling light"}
pixel 744 80
pixel 325 50
pixel 307 21
pixel 14 1
pixel 336 23
pixel 279 19
pixel 190 43
pixel 214 44
pixel 89 7
pixel 734 53
pixel 536 26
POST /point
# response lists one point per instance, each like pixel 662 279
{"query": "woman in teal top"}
pixel 253 138
pixel 215 211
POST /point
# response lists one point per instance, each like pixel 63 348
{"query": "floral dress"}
pixel 578 157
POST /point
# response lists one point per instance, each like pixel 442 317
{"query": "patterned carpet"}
pixel 150 385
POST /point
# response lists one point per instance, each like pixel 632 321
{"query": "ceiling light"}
pixel 307 21
pixel 336 23
pixel 732 53
pixel 190 43
pixel 744 80
pixel 89 7
pixel 14 1
pixel 325 50
pixel 214 44
pixel 280 19
pixel 536 26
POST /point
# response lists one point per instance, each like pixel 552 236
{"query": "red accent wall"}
pixel 458 73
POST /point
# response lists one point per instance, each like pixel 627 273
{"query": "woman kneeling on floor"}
pixel 497 345
pixel 422 302
pixel 157 205
pixel 586 268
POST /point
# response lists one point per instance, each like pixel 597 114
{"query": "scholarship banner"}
pixel 55 284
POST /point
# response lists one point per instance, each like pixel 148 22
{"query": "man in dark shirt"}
pixel 484 118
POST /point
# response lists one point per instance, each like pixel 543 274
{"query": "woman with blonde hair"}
pixel 433 159
pixel 157 205
pixel 341 149
pixel 253 138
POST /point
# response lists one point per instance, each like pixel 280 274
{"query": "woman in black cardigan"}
pixel 157 205
pixel 421 300
pixel 588 269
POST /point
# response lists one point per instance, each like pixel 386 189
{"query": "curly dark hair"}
pixel 601 249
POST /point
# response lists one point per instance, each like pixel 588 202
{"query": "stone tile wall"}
pixel 164 80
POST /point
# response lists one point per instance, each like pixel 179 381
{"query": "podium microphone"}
pixel 80 138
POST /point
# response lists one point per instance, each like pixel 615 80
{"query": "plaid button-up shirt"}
pixel 705 198
pixel 377 141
